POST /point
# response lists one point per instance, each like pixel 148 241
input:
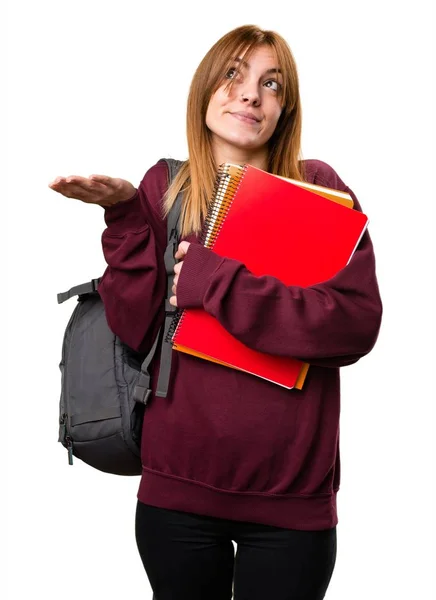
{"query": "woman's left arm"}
pixel 331 324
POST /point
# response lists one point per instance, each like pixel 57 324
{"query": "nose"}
pixel 250 95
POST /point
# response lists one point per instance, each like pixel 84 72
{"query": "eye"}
pixel 273 85
pixel 231 73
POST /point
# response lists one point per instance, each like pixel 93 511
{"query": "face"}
pixel 246 114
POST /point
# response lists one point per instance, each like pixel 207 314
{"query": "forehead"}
pixel 260 57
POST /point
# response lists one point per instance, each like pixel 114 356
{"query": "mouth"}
pixel 245 117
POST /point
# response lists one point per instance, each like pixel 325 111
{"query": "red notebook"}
pixel 320 232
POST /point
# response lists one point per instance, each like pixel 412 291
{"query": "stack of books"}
pixel 300 233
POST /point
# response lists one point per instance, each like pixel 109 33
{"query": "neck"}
pixel 224 152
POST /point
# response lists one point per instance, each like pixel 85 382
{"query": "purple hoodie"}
pixel 225 443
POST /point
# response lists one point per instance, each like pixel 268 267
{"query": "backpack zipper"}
pixel 65 438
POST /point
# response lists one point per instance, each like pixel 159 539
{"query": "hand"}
pixel 180 255
pixel 97 189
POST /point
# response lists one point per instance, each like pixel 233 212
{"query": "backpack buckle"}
pixel 94 283
pixel 142 390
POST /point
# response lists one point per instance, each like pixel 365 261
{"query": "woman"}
pixel 228 456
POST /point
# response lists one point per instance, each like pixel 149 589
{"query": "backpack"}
pixel 105 385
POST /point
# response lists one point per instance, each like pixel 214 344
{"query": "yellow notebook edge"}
pixel 339 196
pixel 298 384
pixel 336 195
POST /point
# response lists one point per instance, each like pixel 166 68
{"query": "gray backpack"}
pixel 105 385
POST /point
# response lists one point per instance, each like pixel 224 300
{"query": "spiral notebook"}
pixel 307 233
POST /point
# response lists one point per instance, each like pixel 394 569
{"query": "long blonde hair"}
pixel 197 175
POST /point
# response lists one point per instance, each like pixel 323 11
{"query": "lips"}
pixel 245 117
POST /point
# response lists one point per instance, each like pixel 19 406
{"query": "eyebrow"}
pixel 247 66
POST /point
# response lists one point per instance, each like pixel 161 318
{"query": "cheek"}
pixel 216 107
pixel 212 109
pixel 208 116
pixel 275 116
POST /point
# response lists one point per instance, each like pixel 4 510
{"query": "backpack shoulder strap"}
pixel 143 388
pixel 173 236
pixel 84 288
pixel 174 214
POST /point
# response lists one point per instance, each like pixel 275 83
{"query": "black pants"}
pixel 191 557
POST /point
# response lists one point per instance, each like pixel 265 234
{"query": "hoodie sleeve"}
pixel 331 324
pixel 133 285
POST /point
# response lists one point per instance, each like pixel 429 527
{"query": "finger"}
pixel 112 183
pixel 84 183
pixel 68 190
pixel 173 301
pixel 61 183
pixel 80 188
pixel 56 181
pixel 78 193
pixel 184 246
pixel 102 179
pixel 174 289
pixel 76 179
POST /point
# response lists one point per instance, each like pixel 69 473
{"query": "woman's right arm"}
pixel 134 283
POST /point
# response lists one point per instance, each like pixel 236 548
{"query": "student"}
pixel 226 455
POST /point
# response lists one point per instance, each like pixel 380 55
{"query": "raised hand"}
pixel 96 189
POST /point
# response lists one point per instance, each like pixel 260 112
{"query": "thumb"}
pixel 182 249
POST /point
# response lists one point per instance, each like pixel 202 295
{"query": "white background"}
pixel 100 87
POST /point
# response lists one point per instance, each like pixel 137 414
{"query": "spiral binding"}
pixel 226 185
pixel 227 182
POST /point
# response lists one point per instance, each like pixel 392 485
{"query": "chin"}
pixel 243 143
